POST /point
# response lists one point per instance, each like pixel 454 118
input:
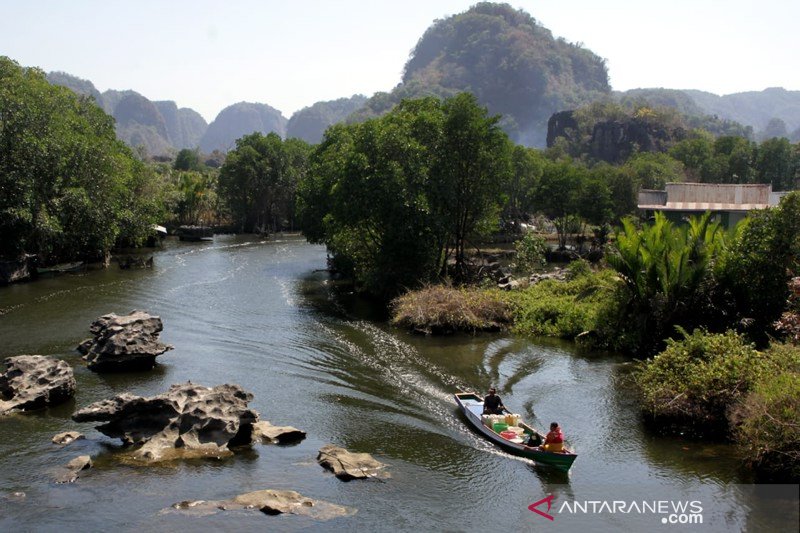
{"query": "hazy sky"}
pixel 207 55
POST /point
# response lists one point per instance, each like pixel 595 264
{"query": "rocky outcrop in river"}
pixel 277 434
pixel 124 342
pixel 187 421
pixel 34 382
pixel 347 465
pixel 271 502
pixel 69 473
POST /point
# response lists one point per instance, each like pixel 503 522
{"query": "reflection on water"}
pixel 256 313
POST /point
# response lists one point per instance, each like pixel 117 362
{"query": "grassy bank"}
pixel 550 308
pixel 443 309
pixel 564 309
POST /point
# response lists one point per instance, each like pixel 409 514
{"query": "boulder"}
pixel 277 434
pixel 69 472
pixel 559 274
pixel 346 465
pixel 67 437
pixel 124 342
pixel 35 382
pixel 271 502
pixel 187 421
pixel 21 269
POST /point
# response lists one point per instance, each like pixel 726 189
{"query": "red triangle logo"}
pixel 549 501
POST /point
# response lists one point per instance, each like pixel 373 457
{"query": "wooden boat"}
pixel 63 267
pixel 472 406
pixel 195 233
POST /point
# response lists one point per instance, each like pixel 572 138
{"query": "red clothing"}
pixel 554 437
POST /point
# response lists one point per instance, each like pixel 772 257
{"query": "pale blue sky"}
pixel 207 55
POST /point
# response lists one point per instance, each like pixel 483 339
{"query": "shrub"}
pixel 695 381
pixel 440 309
pixel 766 421
pixel 530 252
pixel 664 269
pixel 789 323
pixel 562 309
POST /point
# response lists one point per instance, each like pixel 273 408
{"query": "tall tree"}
pixel 471 169
pixel 258 180
pixel 394 197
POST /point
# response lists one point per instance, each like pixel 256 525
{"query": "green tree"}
pixel 559 197
pixel 188 160
pixel 527 167
pixel 777 162
pixel 366 197
pixel 759 264
pixel 258 180
pixel 654 170
pixel 70 189
pixel 394 197
pixel 693 152
pixel 469 173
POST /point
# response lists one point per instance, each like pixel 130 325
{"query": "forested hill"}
pixel 512 64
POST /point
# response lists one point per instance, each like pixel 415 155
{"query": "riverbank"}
pixel 705 387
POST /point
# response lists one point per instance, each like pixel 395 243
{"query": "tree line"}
pixel 398 200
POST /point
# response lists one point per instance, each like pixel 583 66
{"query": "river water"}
pixel 259 314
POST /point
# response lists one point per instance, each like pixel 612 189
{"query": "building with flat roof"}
pixel 728 203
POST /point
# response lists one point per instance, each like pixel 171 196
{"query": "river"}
pixel 260 314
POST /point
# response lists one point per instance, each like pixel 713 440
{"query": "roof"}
pixel 741 197
pixel 703 206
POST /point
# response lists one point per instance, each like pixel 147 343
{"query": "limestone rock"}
pixel 16 496
pixel 126 342
pixel 347 465
pixel 271 502
pixel 69 473
pixel 186 421
pixel 35 382
pixel 67 437
pixel 277 434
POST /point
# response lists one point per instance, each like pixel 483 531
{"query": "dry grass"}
pixel 441 309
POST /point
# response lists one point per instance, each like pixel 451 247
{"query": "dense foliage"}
pixel 766 422
pixel 718 384
pixel 694 381
pixel 789 322
pixel 756 271
pixel 257 182
pixel 563 309
pixel 663 268
pixel 69 188
pixel 395 198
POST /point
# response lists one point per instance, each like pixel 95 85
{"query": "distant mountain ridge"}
pixel 238 120
pixel 513 65
pixel 160 126
pixel 311 122
pixel 752 108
